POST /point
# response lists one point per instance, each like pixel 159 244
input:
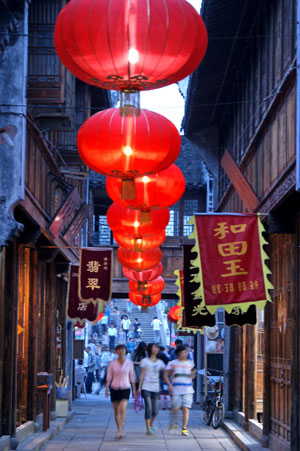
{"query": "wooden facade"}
pixel 255 115
pixel 34 262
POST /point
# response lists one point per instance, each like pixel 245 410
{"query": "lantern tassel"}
pixel 127 189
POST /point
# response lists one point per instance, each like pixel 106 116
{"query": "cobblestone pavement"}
pixel 93 429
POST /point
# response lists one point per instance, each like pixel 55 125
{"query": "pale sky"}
pixel 167 101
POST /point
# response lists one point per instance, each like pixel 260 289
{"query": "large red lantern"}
pixel 147 288
pixel 126 220
pixel 151 191
pixel 130 44
pixel 140 243
pixel 174 314
pixel 144 301
pixel 128 146
pixel 143 276
pixel 139 261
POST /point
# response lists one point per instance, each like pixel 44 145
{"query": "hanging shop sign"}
pixel 65 214
pixel 77 310
pixel 76 224
pixel 239 318
pixel 230 261
pixel 95 274
pixel 239 182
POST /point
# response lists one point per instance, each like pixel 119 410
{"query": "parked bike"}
pixel 213 405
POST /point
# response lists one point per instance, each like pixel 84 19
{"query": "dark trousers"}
pixel 112 342
pixel 89 382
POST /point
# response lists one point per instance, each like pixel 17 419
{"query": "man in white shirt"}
pixel 125 326
pixel 112 333
pixel 156 329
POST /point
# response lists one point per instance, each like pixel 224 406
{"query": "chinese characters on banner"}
pixel 76 309
pixel 95 274
pixel 230 261
pixel 194 314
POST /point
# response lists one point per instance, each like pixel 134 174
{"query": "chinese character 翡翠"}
pixel 234 268
pixel 92 283
pixel 93 266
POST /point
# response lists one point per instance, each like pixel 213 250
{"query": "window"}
pixel 190 207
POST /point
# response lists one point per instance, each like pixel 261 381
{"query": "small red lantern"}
pixel 130 44
pixel 151 191
pixel 126 220
pixel 143 276
pixel 139 261
pixel 144 301
pixel 147 288
pixel 174 314
pixel 128 146
pixel 140 243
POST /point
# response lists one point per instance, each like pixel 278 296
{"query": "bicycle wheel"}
pixel 208 414
pixel 218 416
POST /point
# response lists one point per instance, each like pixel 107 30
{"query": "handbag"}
pixel 138 403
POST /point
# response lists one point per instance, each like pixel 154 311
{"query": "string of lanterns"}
pixel 131 46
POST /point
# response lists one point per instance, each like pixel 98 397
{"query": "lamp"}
pixel 7 134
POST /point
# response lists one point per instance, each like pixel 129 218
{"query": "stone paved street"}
pixel 93 429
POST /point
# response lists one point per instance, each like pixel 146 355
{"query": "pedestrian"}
pixel 80 374
pixel 120 376
pixel 182 370
pixel 136 326
pixel 129 306
pixel 125 326
pixel 149 385
pixel 91 366
pixel 106 358
pixel 178 342
pixel 98 372
pixel 156 323
pixel 104 323
pixel 105 339
pixel 130 346
pixel 112 333
pixel 138 355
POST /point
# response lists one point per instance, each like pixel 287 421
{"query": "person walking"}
pixel 149 384
pixel 112 333
pixel 125 326
pixel 156 323
pixel 120 376
pixel 136 327
pixel 182 371
pixel 91 367
pixel 138 355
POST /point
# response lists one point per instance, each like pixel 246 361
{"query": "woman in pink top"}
pixel 120 376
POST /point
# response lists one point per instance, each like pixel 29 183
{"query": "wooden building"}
pixel 246 94
pixel 44 197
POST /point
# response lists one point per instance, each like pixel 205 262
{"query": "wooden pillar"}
pixel 250 374
pixel 2 329
pixel 266 395
pixel 32 345
pixel 51 329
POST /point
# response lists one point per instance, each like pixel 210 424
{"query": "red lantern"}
pixel 143 276
pixel 125 220
pixel 147 288
pixel 130 44
pixel 151 191
pixel 128 146
pixel 139 261
pixel 144 301
pixel 140 243
pixel 174 314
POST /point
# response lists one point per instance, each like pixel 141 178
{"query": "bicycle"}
pixel 213 405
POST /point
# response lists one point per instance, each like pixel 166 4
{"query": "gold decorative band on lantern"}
pixel 130 103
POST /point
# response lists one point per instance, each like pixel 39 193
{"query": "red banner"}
pixel 230 260
pixel 95 274
pixel 76 309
